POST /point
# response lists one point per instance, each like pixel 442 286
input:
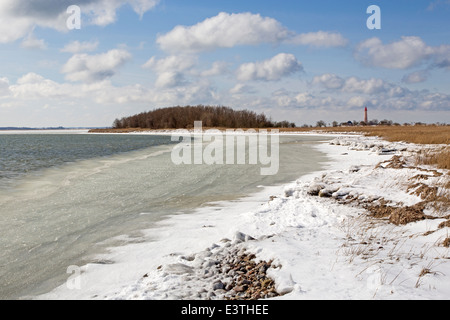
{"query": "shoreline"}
pixel 322 245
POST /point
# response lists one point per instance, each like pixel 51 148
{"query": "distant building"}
pixel 366 118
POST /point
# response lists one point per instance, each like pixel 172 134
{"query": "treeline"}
pixel 211 116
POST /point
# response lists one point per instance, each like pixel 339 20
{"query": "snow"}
pixel 321 248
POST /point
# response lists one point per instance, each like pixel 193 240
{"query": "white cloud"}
pixel 19 17
pixel 352 84
pixel 4 87
pixel 77 47
pixel 241 88
pixel 437 3
pixel 170 79
pixel 329 81
pixel 320 39
pixel 442 56
pixel 273 69
pixel 223 31
pixel 229 30
pixel 142 6
pixel 403 54
pixel 31 42
pixel 171 69
pixel 354 92
pixel 30 78
pixel 92 68
pixel 217 68
pixel 171 63
pixel 366 86
pixel 358 101
pixel 34 86
pixel 99 103
pixel 416 77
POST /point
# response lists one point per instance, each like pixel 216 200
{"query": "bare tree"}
pixel 321 124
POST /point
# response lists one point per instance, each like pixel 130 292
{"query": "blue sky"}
pixel 301 61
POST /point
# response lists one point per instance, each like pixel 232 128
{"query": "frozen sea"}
pixel 65 195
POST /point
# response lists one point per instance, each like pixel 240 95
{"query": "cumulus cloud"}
pixel 416 77
pixel 403 54
pixel 320 39
pixel 4 87
pixel 31 42
pixel 358 102
pixel 171 69
pixel 366 86
pixel 171 63
pixel 35 87
pixel 77 46
pixel 92 68
pixel 273 69
pixel 19 17
pixel 355 85
pixel 354 92
pixel 224 31
pixel 142 6
pixel 229 30
pixel 442 57
pixel 217 68
pixel 241 88
pixel 329 81
pixel 394 99
pixel 102 101
pixel 170 79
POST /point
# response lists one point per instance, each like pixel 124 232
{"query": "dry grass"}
pixel 405 215
pixel 439 158
pixel 430 134
pixel 446 243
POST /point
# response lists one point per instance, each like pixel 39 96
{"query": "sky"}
pixel 84 63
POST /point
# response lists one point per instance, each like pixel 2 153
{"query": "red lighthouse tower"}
pixel 366 118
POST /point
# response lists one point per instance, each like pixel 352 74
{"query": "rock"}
pixel 214 246
pixel 242 237
pixel 314 189
pixel 229 287
pixel 288 192
pixel 231 273
pixel 210 263
pixel 341 193
pixel 188 258
pixel 240 288
pixel 325 193
pixel 385 151
pixel 262 269
pixel 239 236
pixel 218 285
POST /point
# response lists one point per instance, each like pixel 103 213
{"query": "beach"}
pixel 342 233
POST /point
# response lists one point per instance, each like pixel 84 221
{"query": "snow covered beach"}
pixel 321 237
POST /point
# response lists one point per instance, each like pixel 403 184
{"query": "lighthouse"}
pixel 366 118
